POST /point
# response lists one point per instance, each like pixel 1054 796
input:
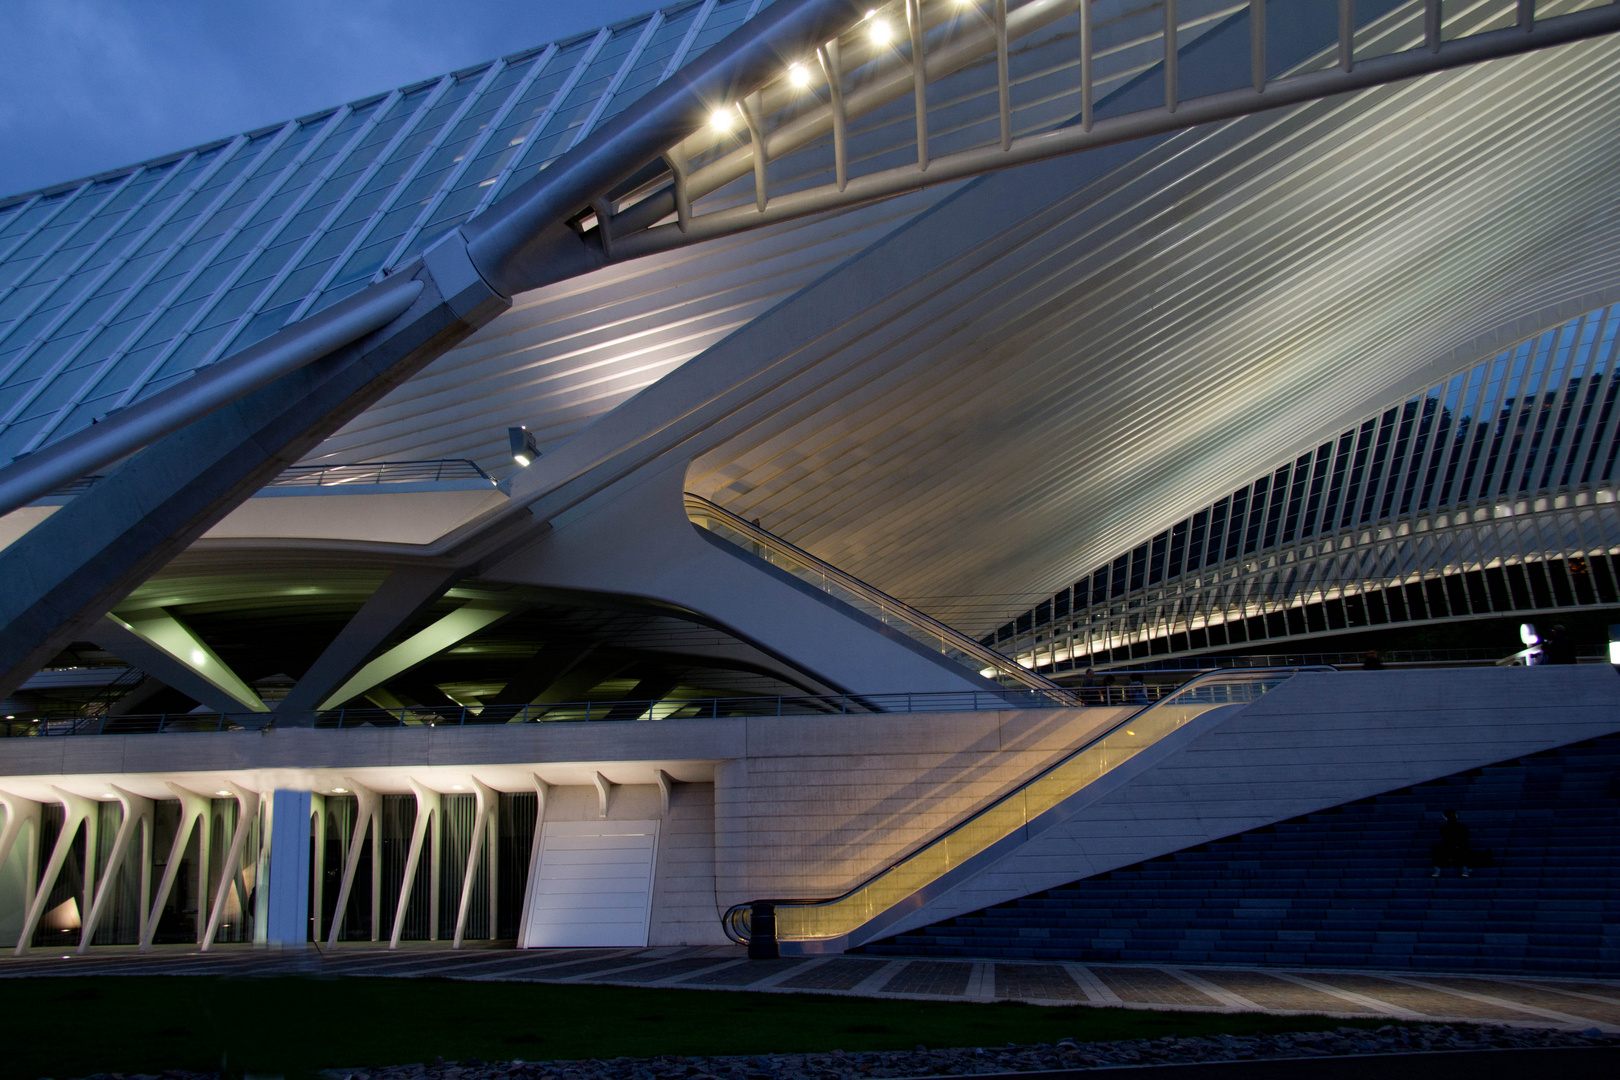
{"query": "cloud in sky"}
pixel 88 85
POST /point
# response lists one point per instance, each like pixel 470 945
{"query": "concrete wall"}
pixel 807 807
pixel 820 804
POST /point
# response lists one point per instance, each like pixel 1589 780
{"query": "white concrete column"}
pixel 193 808
pixel 286 882
pixel 366 815
pixel 22 821
pixel 480 844
pixel 136 823
pixel 247 813
pixel 542 791
pixel 427 817
pixel 77 811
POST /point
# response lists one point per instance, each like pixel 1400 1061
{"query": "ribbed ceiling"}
pixel 1145 329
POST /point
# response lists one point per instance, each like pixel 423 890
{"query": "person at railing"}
pixel 1089 692
pixel 1559 648
pixel 1136 692
pixel 1371 661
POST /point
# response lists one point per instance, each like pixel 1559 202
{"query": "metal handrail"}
pixel 987 834
pixel 436 470
pixel 381 472
pixel 852 590
pixel 598 711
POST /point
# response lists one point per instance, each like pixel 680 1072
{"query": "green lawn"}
pixel 68 1027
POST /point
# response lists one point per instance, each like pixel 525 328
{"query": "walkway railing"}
pixel 865 912
pixel 382 472
pixel 930 632
pixel 376 472
pixel 596 711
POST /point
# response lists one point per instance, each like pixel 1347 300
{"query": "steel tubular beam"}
pixel 95 447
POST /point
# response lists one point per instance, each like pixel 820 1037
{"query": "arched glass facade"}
pixel 1492 492
pixel 114 288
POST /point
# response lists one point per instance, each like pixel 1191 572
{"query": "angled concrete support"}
pixel 136 825
pixel 666 787
pixel 366 816
pixel 634 538
pixel 193 809
pixel 80 562
pixel 401 597
pixel 22 823
pixel 428 826
pixel 542 791
pixel 77 812
pixel 167 649
pixel 247 815
pixel 455 627
pixel 481 846
pixel 604 794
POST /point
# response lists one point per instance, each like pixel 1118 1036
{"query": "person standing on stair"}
pixel 1452 850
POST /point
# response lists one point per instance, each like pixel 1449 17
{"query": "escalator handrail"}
pixel 733 921
pixel 899 608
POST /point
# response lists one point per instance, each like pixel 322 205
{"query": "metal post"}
pixel 828 55
pixel 1257 43
pixel 1347 34
pixel 1527 15
pixel 1003 80
pixel 750 109
pixel 919 80
pixel 1171 56
pixel 1085 65
pixel 1431 24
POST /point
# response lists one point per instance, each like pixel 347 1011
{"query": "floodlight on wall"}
pixel 524 448
pixel 1528 635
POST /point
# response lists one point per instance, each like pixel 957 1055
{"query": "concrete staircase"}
pixel 1350 886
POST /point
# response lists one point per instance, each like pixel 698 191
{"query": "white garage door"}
pixel 593 884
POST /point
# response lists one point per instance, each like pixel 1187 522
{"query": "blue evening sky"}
pixel 88 85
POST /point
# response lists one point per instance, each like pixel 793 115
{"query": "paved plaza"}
pixel 1539 1002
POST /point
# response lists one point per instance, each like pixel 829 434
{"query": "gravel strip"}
pixel 970 1061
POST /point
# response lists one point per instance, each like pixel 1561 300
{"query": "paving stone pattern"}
pixel 971 1061
pixel 1351 886
pixel 1524 1001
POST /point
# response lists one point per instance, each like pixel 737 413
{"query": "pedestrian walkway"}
pixel 1577 1003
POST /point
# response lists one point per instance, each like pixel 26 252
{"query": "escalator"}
pixel 928 632
pixel 868 911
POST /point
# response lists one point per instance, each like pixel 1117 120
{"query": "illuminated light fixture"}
pixel 198 658
pixel 11 716
pixel 881 33
pixel 524 448
pixel 457 787
pixel 722 119
pixel 799 75
pixel 221 793
pixel 1528 635
pixel 108 795
pixel 870 12
pixel 340 791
